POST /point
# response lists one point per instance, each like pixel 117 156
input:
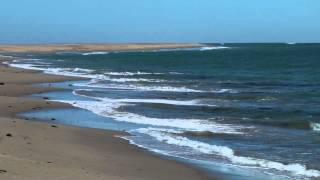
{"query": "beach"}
pixel 159 90
pixel 92 47
pixel 167 113
pixel 32 150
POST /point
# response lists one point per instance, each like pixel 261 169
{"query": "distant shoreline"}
pixel 93 47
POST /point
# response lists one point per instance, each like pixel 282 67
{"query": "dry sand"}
pixel 91 47
pixel 31 150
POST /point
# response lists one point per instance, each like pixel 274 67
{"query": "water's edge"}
pixel 185 162
pixel 177 111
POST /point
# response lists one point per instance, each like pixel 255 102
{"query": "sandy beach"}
pixel 32 150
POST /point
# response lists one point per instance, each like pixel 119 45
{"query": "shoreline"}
pixel 40 150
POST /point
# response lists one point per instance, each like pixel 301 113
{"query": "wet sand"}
pixel 32 150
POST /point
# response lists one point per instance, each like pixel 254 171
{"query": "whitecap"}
pixel 130 73
pixel 315 126
pixel 5 56
pixel 26 66
pixel 140 88
pixel 94 53
pixel 74 72
pixel 96 84
pixel 83 70
pixel 176 73
pixel 224 91
pixel 80 72
pixel 122 80
pixel 213 48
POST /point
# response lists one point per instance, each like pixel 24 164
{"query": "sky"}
pixel 124 21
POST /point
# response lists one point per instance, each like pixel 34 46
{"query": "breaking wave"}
pixel 153 101
pixel 95 53
pixel 130 73
pixel 315 126
pixel 80 72
pixel 164 88
pixel 213 48
pixel 109 108
pixel 169 137
pixel 87 73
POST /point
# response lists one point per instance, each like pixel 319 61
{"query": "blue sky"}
pixel 73 21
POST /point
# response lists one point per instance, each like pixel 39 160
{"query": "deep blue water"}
pixel 252 107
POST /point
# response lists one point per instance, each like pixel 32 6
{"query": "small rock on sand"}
pixel 3 171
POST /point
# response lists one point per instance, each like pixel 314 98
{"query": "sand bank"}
pixel 91 47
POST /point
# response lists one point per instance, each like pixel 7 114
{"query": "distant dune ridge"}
pixel 93 47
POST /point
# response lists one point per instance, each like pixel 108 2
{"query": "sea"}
pixel 238 111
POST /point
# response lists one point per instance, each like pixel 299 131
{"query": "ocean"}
pixel 241 111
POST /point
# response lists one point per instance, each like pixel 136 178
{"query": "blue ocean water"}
pixel 242 109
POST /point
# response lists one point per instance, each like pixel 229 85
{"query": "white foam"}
pixel 83 70
pixel 150 88
pixel 75 72
pixel 315 126
pixel 224 91
pixel 94 53
pixel 4 56
pixel 165 88
pixel 80 72
pixel 138 73
pixel 122 80
pixel 130 73
pixel 208 48
pixel 164 136
pixel 165 101
pixel 85 73
pixel 176 73
pixel 26 66
pixel 32 59
pixel 140 87
pixel 168 50
pixel 36 63
pixel 109 108
pixel 154 101
pixel 213 48
pixel 175 49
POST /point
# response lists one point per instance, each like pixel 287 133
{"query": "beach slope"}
pixel 32 150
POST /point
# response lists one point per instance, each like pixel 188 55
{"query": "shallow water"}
pixel 254 107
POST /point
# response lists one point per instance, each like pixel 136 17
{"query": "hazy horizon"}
pixel 167 21
pixel 106 43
